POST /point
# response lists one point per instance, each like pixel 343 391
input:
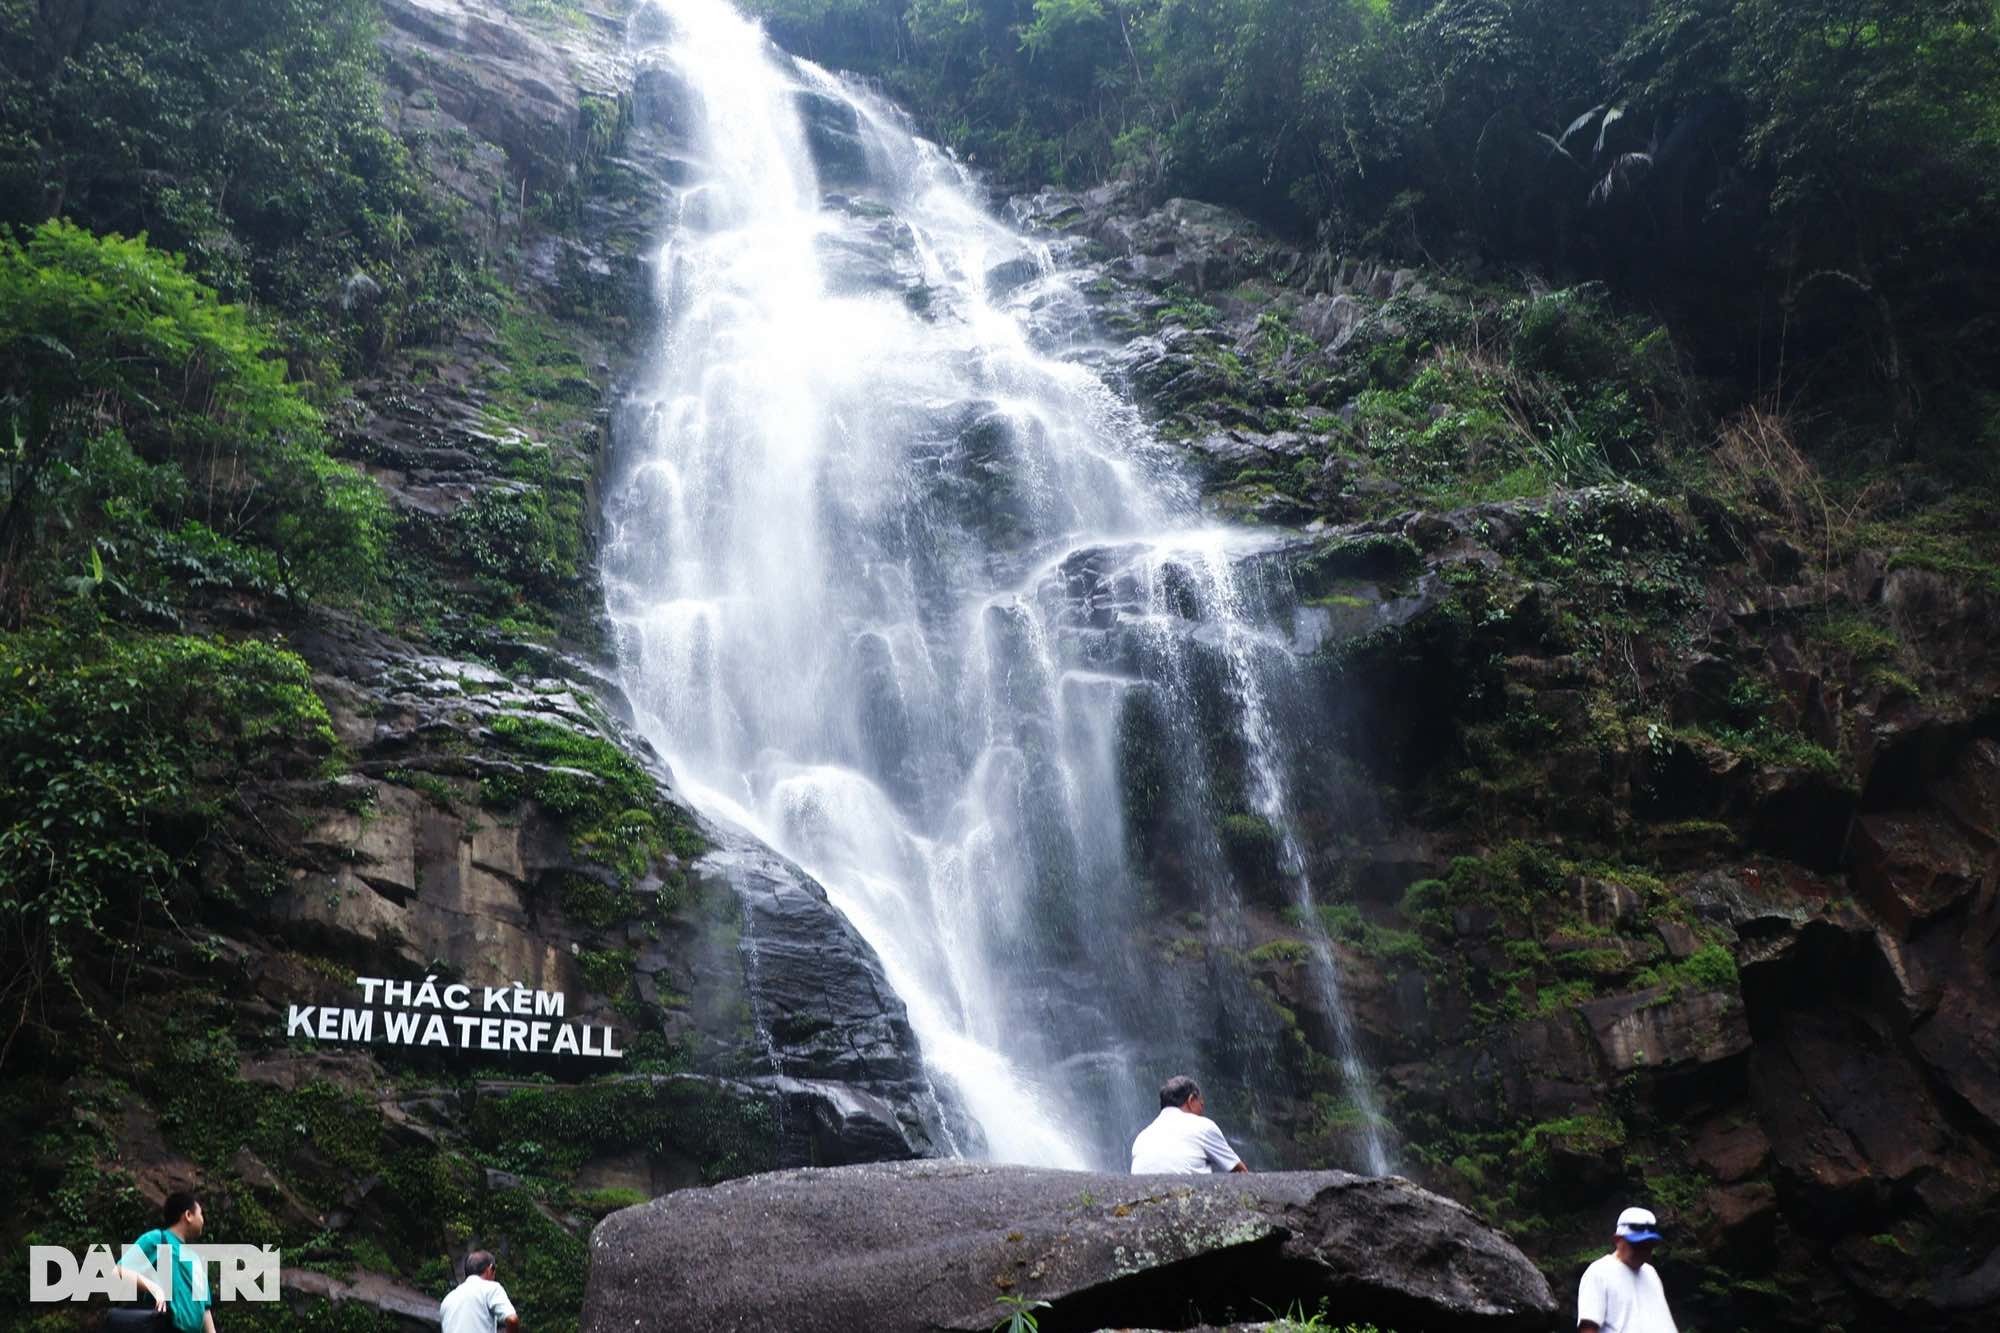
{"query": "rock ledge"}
pixel 935 1245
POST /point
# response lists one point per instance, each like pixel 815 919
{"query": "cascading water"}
pixel 905 590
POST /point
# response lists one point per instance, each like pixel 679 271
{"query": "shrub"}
pixel 134 402
pixel 611 805
pixel 122 756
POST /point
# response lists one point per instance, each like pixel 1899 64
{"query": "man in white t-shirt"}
pixel 1182 1141
pixel 478 1304
pixel 1621 1293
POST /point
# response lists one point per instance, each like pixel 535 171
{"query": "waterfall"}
pixel 906 590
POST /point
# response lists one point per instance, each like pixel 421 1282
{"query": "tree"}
pixel 110 351
pixel 245 135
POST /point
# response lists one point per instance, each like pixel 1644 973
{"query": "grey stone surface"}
pixel 936 1245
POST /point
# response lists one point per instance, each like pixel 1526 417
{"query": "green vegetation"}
pixel 276 1156
pixel 209 238
pixel 130 759
pixel 554 13
pixel 1955 538
pixel 591 902
pixel 1018 1313
pixel 1297 1319
pixel 1284 953
pixel 1856 144
pixel 1542 955
pixel 1751 727
pixel 538 379
pixel 438 791
pixel 150 422
pixel 606 971
pixel 1372 556
pixel 1710 968
pixel 274 1159
pixel 1595 1133
pixel 246 135
pixel 610 804
pixel 1858 643
pixel 512 563
pixel 549 1132
pixel 527 539
pixel 1404 948
pixel 219 266
pixel 1467 395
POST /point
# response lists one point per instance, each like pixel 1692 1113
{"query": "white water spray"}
pixel 886 575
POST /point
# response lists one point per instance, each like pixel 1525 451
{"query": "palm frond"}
pixel 1611 117
pixel 1555 146
pixel 1580 122
pixel 1624 170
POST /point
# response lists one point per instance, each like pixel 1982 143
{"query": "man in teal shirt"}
pixel 180 1220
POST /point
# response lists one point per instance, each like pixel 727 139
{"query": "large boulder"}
pixel 823 1019
pixel 940 1245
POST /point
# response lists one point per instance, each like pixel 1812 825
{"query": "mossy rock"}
pixel 1377 556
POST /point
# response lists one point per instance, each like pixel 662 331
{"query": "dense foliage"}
pixel 148 426
pixel 163 453
pixel 244 134
pixel 1807 190
pixel 127 755
pixel 215 250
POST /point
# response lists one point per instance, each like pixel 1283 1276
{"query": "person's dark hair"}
pixel 478 1262
pixel 175 1206
pixel 1177 1090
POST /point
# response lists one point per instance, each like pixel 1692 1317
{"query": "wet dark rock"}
pixel 1360 555
pixel 650 25
pixel 1195 245
pixel 661 98
pixel 1226 452
pixel 971 458
pixel 1840 1096
pixel 1916 864
pixel 1651 1029
pixel 509 86
pixel 820 1000
pixel 869 256
pixel 1010 275
pixel 410 882
pixel 1173 370
pixel 833 136
pixel 928 1246
pixel 839 1124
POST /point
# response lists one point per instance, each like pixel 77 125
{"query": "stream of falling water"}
pixel 904 589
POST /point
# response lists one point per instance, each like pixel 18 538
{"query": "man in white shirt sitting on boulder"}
pixel 1182 1141
pixel 1621 1293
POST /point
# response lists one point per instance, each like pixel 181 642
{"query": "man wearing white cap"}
pixel 1621 1293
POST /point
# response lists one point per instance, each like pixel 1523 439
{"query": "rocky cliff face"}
pixel 492 454
pixel 470 849
pixel 489 816
pixel 1664 799
pixel 1664 803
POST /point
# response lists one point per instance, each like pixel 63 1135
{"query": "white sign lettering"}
pixel 490 1018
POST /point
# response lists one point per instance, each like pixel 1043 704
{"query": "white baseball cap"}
pixel 1638 1226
